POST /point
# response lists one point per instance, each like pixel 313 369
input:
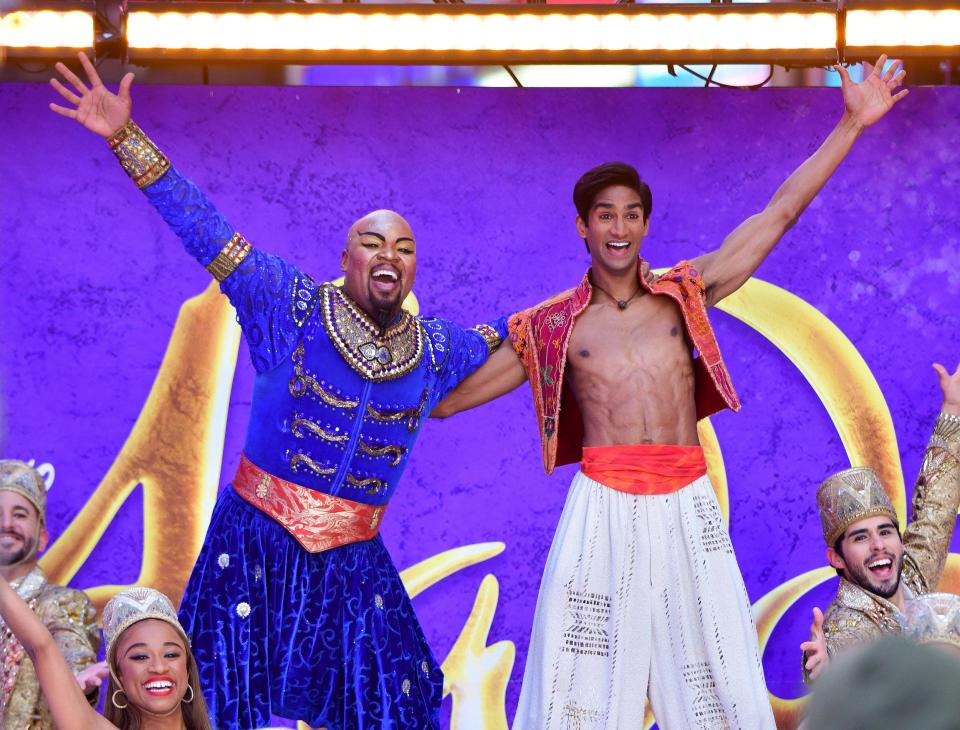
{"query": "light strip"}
pixel 484 34
pixel 38 29
pixel 890 28
pixel 551 32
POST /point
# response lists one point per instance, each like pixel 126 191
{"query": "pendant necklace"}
pixel 621 303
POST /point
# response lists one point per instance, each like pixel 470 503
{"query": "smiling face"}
pixel 871 556
pixel 21 534
pixel 379 263
pixel 614 228
pixel 151 664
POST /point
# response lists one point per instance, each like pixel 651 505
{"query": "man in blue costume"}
pixel 294 607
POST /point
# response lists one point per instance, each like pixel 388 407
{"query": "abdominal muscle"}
pixel 631 372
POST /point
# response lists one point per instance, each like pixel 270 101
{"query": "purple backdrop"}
pixel 92 281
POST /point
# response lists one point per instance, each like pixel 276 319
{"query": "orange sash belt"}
pixel 644 468
pixel 318 521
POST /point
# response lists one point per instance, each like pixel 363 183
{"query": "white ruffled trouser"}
pixel 642 595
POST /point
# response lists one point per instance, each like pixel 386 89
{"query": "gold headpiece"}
pixel 850 496
pixel 132 606
pixel 20 477
pixel 934 618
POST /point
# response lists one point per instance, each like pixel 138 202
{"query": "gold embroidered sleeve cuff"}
pixel 946 433
pixel 230 257
pixel 490 335
pixel 140 157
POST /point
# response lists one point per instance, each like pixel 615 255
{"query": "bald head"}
pixel 381 221
pixel 379 262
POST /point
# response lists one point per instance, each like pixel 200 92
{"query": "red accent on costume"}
pixel 644 468
pixel 540 337
pixel 318 521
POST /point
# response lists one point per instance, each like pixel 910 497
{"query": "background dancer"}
pixel 65 612
pixel 880 570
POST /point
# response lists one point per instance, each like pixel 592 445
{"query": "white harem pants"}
pixel 642 595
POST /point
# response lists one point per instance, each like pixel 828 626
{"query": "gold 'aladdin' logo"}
pixel 180 484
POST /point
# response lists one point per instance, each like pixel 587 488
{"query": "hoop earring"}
pixel 114 700
pixel 189 687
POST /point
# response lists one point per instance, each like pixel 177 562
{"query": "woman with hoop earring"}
pixel 153 676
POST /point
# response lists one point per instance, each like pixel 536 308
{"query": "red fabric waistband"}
pixel 318 521
pixel 644 468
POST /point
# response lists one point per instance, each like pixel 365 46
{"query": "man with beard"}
pixel 879 570
pixel 65 612
pixel 641 595
pixel 294 607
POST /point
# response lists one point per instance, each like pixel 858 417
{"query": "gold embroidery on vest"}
pixel 299 424
pixel 394 452
pixel 302 382
pixel 313 466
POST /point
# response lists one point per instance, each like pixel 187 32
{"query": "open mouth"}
pixel 385 278
pixel 618 248
pixel 159 687
pixel 881 568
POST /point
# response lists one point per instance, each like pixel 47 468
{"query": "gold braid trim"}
pixel 229 257
pixel 490 335
pixel 302 382
pixel 371 485
pixel 313 466
pixel 140 157
pixel 394 452
pixel 296 428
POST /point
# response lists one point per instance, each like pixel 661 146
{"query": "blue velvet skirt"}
pixel 328 638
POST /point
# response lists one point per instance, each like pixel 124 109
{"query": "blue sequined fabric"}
pixel 329 638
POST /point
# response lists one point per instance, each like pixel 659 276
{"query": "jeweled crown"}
pixel 132 606
pixel 850 496
pixel 20 477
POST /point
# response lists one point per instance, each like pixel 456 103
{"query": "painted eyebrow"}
pixel 382 239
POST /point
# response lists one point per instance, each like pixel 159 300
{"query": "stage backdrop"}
pixel 125 381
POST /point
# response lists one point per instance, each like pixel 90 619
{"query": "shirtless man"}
pixel 641 592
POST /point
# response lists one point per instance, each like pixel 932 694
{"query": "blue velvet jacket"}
pixel 317 419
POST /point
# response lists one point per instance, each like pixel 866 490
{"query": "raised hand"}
pixel 873 97
pixel 950 385
pixel 815 657
pixel 95 108
pixel 93 676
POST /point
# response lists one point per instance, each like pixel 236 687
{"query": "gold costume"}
pixel 71 619
pixel 855 615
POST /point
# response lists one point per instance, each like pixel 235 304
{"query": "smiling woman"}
pixel 153 676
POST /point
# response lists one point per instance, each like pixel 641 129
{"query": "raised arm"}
pixel 501 373
pixel 67 703
pixel 260 286
pixel 726 269
pixel 936 495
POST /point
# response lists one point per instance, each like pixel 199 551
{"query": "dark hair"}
pixel 196 716
pixel 592 182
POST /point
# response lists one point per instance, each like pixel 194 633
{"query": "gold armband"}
pixel 230 257
pixel 138 155
pixel 489 334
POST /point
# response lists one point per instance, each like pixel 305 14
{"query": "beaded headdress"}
pixel 20 477
pixel 934 618
pixel 131 606
pixel 850 496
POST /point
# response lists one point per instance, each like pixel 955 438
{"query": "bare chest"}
pixel 648 334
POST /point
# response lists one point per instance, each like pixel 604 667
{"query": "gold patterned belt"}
pixel 318 521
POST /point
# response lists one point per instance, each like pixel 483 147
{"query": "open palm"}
pixel 95 107
pixel 950 384
pixel 873 97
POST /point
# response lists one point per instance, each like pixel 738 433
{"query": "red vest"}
pixel 540 336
